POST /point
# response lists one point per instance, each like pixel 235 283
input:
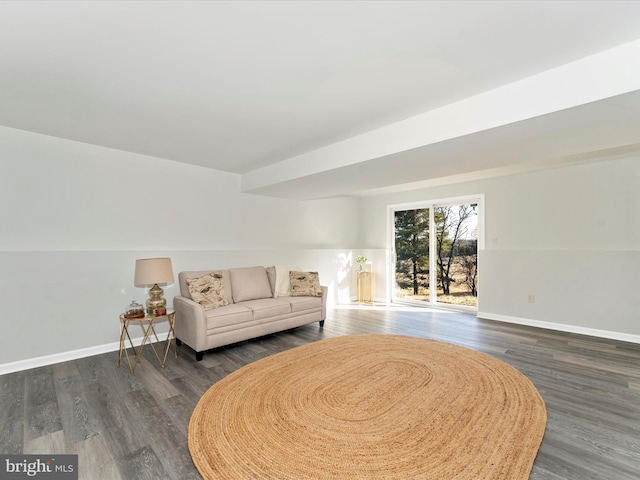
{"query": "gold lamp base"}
pixel 156 300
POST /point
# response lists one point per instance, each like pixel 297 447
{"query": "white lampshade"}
pixel 150 271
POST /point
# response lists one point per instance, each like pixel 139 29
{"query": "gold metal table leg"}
pixel 147 324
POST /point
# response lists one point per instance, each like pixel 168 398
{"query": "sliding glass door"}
pixel 435 252
pixel 412 234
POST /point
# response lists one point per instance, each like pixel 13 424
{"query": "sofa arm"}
pixel 324 302
pixel 190 323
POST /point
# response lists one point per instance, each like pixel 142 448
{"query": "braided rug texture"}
pixel 369 407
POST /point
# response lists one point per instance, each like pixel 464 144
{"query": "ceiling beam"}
pixel 601 76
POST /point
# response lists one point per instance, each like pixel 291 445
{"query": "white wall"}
pixel 74 217
pixel 570 236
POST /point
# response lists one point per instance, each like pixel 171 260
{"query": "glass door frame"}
pixel 391 254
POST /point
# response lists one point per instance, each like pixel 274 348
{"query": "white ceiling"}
pixel 301 98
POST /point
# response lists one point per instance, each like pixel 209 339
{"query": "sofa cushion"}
pixel 232 314
pixel 300 304
pixel 208 290
pixel 249 283
pixel 305 284
pixel 184 287
pixel 267 307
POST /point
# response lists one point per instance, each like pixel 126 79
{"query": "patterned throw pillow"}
pixel 208 291
pixel 305 284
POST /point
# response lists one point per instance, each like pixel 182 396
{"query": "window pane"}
pixel 456 228
pixel 412 254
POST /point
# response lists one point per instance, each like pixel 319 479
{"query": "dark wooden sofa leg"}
pixel 321 323
pixel 199 356
pixel 178 342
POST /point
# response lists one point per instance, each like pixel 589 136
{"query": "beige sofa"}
pixel 254 307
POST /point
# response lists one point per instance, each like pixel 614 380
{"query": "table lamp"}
pixel 152 271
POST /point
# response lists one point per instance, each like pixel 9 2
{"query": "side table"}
pixel 147 324
pixel 365 287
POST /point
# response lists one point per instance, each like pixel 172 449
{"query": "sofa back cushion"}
pixel 271 275
pixel 249 283
pixel 184 288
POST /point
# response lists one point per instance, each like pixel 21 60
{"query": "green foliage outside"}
pixel 456 253
pixel 412 249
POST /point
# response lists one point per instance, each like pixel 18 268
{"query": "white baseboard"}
pixel 61 357
pixel 111 347
pixel 563 327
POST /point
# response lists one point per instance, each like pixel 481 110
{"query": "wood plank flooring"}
pixel 133 427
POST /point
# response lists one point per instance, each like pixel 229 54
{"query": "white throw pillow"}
pixel 283 284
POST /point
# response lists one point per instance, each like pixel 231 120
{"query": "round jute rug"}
pixel 369 407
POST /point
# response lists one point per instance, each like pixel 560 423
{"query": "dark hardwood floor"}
pixel 133 427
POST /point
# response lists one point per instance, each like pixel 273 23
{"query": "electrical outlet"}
pixel 531 298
